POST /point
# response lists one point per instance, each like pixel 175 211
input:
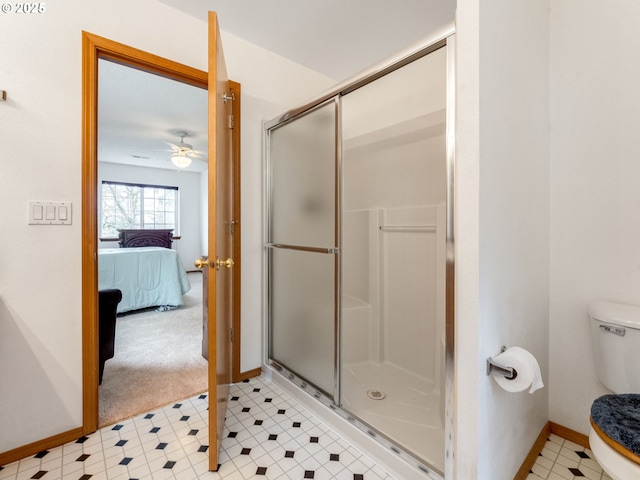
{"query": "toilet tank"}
pixel 615 336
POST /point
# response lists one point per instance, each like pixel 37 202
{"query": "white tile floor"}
pixel 266 436
pixel 564 460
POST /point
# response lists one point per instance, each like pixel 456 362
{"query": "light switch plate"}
pixel 50 213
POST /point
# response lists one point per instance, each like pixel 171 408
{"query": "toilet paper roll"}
pixel 525 364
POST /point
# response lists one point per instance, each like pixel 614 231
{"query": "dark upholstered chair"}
pixel 108 301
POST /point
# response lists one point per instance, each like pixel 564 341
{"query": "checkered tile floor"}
pixel 267 435
pixel 564 460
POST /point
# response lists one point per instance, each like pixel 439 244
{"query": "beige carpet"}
pixel 157 359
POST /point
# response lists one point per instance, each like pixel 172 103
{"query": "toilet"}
pixel 615 420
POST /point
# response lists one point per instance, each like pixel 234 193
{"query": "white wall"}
pixel 595 253
pixel 189 213
pixel 592 190
pixel 254 111
pixel 268 76
pixel 462 463
pixel 503 198
pixel 40 266
pixel 514 222
pixel 40 323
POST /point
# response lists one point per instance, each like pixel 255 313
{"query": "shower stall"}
pixel 358 251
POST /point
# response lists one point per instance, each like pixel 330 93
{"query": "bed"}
pixel 128 238
pixel 148 276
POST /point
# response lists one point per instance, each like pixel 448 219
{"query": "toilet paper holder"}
pixel 509 373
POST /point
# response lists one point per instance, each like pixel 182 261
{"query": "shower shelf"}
pixel 408 229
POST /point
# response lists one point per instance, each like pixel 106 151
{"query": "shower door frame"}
pixel 335 250
pixel 444 38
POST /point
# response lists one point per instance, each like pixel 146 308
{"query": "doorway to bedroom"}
pixel 152 180
pixel 146 117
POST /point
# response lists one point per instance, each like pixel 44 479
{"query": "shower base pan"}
pixel 403 406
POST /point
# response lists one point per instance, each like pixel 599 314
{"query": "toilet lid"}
pixel 616 419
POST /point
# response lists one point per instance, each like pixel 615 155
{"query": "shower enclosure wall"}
pixel 358 233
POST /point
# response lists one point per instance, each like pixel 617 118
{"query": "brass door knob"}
pixel 224 263
pixel 200 263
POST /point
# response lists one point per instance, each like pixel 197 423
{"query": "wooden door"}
pixel 219 205
pixel 220 254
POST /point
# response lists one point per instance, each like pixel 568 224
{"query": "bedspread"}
pixel 147 276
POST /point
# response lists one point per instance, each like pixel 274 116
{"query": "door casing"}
pixel 95 47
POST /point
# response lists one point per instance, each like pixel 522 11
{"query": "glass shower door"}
pixel 393 255
pixel 302 239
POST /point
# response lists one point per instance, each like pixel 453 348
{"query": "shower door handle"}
pixel 329 250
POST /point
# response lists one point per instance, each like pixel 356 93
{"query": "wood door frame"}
pixel 237 375
pixel 94 48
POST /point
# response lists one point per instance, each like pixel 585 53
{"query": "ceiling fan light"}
pixel 181 161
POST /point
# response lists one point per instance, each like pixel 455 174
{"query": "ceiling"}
pixel 139 114
pixel 337 38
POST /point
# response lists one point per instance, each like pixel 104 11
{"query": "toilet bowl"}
pixel 615 334
pixel 617 466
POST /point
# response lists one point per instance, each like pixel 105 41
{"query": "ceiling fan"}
pixel 182 153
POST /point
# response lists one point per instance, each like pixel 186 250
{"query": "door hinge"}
pixel 231 122
pixel 231 335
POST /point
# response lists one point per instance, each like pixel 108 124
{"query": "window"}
pixel 131 205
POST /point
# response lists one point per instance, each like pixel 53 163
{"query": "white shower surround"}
pixel 379 318
pixel 377 323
